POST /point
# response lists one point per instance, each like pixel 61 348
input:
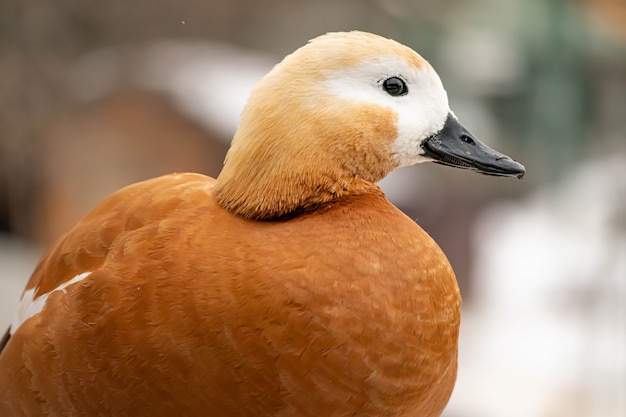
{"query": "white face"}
pixel 421 112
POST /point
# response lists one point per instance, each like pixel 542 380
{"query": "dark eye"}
pixel 395 86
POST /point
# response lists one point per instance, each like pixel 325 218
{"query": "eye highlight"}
pixel 395 86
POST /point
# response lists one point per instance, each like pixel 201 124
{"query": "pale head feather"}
pixel 320 125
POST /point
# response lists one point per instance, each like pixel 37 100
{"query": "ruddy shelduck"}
pixel 288 286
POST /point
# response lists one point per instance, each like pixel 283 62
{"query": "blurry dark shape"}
pixel 5 224
pixel 126 137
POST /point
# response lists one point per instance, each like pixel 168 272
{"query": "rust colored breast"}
pixel 350 310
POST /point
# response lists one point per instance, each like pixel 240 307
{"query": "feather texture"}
pixel 288 286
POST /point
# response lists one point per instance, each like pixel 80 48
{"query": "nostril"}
pixel 468 140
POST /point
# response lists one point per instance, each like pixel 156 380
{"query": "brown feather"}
pixel 184 314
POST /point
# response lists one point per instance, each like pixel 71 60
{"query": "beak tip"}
pixel 519 169
pixel 513 168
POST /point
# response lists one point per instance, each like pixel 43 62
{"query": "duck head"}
pixel 336 116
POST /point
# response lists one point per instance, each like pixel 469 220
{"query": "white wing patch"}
pixel 30 306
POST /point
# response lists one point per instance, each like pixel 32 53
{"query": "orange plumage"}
pixel 306 295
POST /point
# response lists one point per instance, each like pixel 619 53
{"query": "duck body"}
pixel 366 324
pixel 288 286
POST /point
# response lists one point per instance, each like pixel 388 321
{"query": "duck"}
pixel 287 286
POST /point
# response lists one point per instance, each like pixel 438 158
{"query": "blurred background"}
pixel 98 95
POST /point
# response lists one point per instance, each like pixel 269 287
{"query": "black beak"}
pixel 455 146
